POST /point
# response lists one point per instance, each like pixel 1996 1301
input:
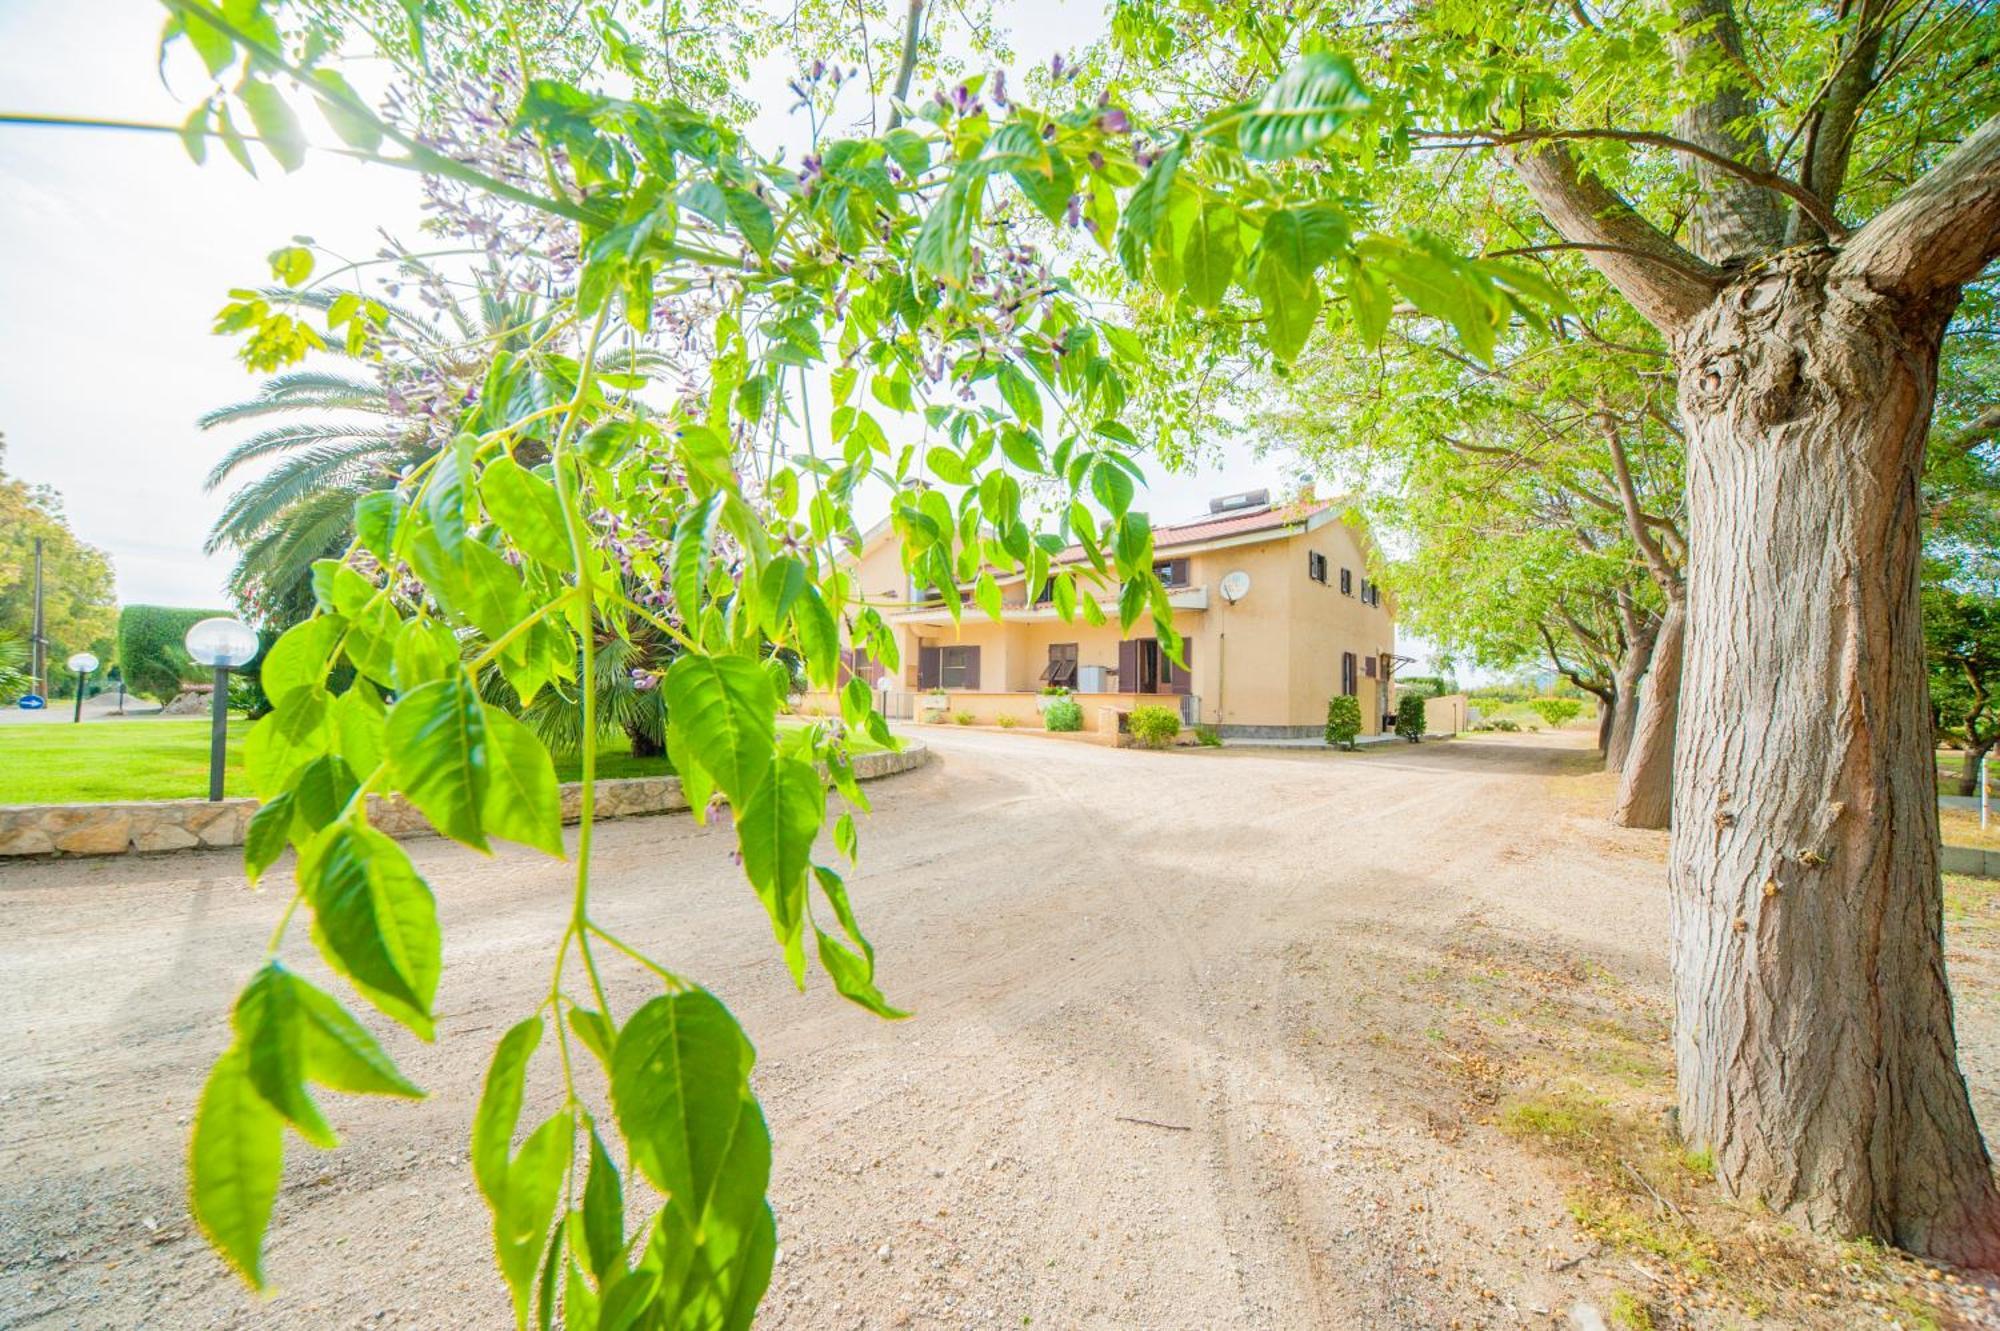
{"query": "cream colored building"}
pixel 1306 622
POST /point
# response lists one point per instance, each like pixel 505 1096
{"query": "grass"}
pixel 1951 763
pixel 52 763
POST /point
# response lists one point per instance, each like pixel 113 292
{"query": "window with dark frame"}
pixel 958 668
pixel 1368 667
pixel 1347 682
pixel 1061 669
pixel 1171 572
pixel 1347 582
pixel 1316 566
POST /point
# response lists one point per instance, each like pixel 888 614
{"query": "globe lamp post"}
pixel 82 663
pixel 222 644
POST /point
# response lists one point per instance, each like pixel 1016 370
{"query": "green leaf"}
pixel 270 1030
pixel 986 592
pixel 1021 397
pixel 321 793
pixel 500 1108
pixel 775 829
pixel 603 1213
pixel 374 919
pixel 425 651
pixel 358 726
pixel 528 510
pixel 521 1221
pixel 1146 210
pixel 726 715
pixel 291 264
pixel 1311 100
pixel 286 740
pixel 595 1031
pixel 778 587
pixel 377 514
pixel 680 1081
pixel 1208 262
pixel 342 107
pixel 265 838
pixel 299 658
pixel 276 125
pixel 944 243
pixel 854 977
pixel 214 46
pixel 1112 486
pixel 439 756
pixel 195 131
pixel 234 1163
pixel 522 801
pixel 341 1054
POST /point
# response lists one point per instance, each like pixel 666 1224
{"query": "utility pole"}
pixel 38 641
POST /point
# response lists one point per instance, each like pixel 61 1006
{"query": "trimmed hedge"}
pixel 150 652
pixel 1410 717
pixel 1556 712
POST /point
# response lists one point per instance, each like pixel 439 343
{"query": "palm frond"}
pixel 284 438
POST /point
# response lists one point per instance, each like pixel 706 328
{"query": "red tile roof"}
pixel 1219 525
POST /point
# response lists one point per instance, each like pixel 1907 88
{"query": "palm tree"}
pixel 341 429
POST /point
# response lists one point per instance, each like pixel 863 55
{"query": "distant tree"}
pixel 1962 642
pixel 79 607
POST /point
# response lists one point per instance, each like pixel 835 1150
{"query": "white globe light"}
pixel 222 642
pixel 82 663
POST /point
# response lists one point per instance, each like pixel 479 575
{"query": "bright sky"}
pixel 116 250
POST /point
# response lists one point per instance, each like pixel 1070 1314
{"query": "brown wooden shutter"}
pixel 1128 666
pixel 1180 575
pixel 930 667
pixel 971 666
pixel 1179 678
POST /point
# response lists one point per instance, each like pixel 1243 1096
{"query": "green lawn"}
pixel 51 763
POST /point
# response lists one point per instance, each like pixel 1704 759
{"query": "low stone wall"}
pixel 153 825
pixel 1971 860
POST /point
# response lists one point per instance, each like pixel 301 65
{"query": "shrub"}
pixel 1431 686
pixel 1064 714
pixel 1343 720
pixel 1556 712
pixel 1006 720
pixel 964 718
pixel 1154 727
pixel 1208 737
pixel 1054 691
pixel 1410 717
pixel 1503 725
pixel 150 652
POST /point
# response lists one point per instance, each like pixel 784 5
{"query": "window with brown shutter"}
pixel 1175 678
pixel 929 666
pixel 1347 582
pixel 1316 566
pixel 1368 667
pixel 1347 684
pixel 1172 572
pixel 1061 670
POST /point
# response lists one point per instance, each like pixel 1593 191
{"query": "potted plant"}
pixel 1050 693
pixel 934 706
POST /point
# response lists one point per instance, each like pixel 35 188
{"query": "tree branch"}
pixel 913 28
pixel 1666 284
pixel 1940 232
pixel 1664 572
pixel 1809 203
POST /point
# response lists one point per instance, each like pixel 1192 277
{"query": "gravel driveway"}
pixel 1160 1073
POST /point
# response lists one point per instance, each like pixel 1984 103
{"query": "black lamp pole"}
pixel 78 716
pixel 218 732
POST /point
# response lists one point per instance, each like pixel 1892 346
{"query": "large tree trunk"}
pixel 1625 710
pixel 1814 1036
pixel 1968 775
pixel 1646 780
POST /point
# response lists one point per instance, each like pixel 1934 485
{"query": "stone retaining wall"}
pixel 152 825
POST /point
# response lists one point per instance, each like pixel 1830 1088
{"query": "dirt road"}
pixel 1201 1040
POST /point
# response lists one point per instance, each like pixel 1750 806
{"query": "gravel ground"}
pixel 1157 1075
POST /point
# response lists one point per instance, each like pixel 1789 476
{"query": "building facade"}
pixel 1303 622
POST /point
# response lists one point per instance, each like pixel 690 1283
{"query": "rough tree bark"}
pixel 1639 640
pixel 1645 795
pixel 1814 1036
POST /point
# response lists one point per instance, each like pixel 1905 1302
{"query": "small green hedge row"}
pixel 150 652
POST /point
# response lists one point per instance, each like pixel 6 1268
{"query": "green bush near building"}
pixel 149 649
pixel 1343 720
pixel 1154 727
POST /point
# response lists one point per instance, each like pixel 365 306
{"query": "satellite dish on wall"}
pixel 1235 586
